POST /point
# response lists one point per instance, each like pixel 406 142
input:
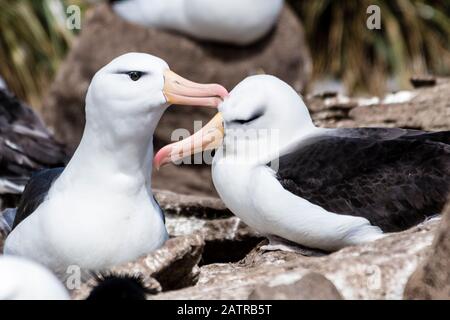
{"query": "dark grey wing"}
pixel 395 178
pixel 161 211
pixel 35 192
pixel 25 144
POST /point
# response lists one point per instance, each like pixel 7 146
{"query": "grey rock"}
pixel 428 109
pixel 376 270
pixel 312 286
pixel 227 238
pixel 185 205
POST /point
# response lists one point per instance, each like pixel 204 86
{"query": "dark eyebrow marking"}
pixel 255 116
pixel 143 73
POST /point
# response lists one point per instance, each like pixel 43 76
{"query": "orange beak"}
pixel 207 138
pixel 181 91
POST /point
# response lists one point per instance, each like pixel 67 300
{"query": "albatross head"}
pixel 133 90
pixel 261 115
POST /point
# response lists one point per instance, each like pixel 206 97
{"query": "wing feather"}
pixel 35 192
pixel 395 178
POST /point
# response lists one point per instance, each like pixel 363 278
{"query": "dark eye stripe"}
pixel 134 75
pixel 252 118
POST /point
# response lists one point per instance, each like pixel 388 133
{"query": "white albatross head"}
pixel 129 95
pixel 262 114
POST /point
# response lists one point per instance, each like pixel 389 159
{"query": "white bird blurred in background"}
pixel 239 22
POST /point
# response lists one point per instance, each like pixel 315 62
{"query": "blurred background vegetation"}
pixel 33 41
pixel 414 39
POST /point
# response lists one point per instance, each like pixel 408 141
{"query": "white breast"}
pixel 92 227
pixel 254 195
pixel 233 183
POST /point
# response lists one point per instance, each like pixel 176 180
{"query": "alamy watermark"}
pixel 374 20
pixel 238 146
pixel 73 19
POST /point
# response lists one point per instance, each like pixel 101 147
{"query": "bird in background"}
pixel 238 22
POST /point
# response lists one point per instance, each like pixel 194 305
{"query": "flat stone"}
pixel 312 286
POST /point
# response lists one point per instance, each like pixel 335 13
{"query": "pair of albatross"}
pixel 332 188
pixel 321 188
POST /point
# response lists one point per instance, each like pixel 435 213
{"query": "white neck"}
pixel 106 154
pixel 269 146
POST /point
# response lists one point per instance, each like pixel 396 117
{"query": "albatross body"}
pixel 321 188
pixel 238 22
pixel 99 210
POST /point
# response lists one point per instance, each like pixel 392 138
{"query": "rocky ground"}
pixel 201 261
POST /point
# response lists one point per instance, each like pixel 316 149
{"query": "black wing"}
pixel 35 192
pixel 393 177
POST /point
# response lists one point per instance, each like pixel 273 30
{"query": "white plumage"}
pixel 233 21
pixel 257 197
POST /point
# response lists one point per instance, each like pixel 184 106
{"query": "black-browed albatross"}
pixel 99 210
pixel 321 188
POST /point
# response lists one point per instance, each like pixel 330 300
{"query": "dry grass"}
pixel 414 39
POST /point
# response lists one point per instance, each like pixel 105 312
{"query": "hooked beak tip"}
pixel 162 157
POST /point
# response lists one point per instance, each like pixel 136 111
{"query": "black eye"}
pixel 135 75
